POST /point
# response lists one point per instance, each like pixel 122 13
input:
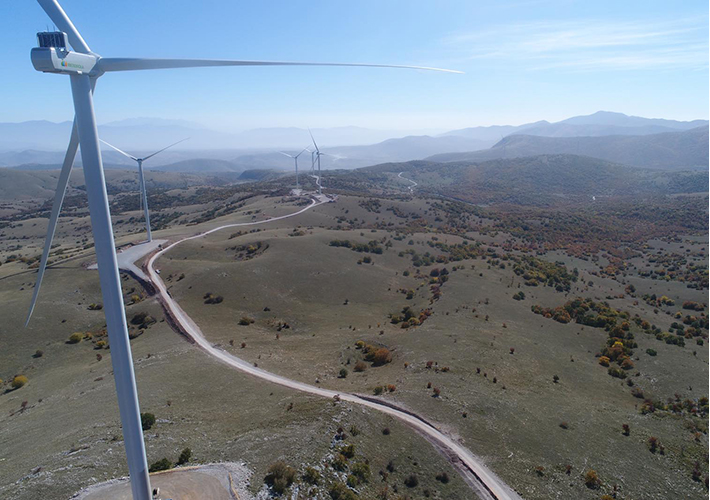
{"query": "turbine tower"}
pixel 295 159
pixel 141 180
pixel 84 67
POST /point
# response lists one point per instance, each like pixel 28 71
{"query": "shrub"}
pixel 147 421
pixel 343 373
pixel 386 431
pixel 564 425
pixel 437 392
pixel 38 353
pixel 591 479
pixel 653 444
pixel 19 381
pixel 604 361
pixel 626 429
pixel 637 393
pixel 162 464
pixel 185 456
pixel 381 357
pixel 311 476
pixel 412 481
pixel 651 352
pixel 442 477
pixel 338 491
pixel 75 338
pixel 246 321
pixel 378 390
pixel 519 296
pixel 555 379
pixel 617 372
pixel 280 476
pixel 360 367
pixel 361 470
pixel 340 463
pixel 348 451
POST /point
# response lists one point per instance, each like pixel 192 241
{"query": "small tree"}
pixel 162 464
pixel 653 444
pixel 360 366
pixel 626 429
pixel 147 420
pixel 185 456
pixel 555 379
pixel 412 481
pixel 343 373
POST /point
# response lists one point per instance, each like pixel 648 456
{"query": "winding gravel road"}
pixel 414 184
pixel 482 481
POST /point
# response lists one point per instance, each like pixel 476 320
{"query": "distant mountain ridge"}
pixel 41 142
pixel 670 150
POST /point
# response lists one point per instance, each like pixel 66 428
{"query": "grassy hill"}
pixel 671 150
pixel 542 179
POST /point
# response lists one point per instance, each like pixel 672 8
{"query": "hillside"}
pixel 670 150
pixel 543 179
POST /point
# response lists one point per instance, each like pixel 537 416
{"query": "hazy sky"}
pixel 524 60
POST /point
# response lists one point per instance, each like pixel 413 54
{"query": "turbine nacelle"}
pixel 52 56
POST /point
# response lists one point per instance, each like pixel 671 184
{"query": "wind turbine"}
pixel 318 154
pixel 141 180
pixel 84 67
pixel 295 159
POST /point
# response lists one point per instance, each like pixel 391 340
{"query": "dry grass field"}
pixel 524 392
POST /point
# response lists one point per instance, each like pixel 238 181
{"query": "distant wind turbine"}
pixel 141 180
pixel 84 67
pixel 295 159
pixel 318 154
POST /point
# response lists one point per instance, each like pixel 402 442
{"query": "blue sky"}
pixel 524 60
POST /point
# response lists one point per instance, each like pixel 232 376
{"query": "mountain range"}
pixel 613 136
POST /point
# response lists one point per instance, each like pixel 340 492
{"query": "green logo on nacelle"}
pixel 72 65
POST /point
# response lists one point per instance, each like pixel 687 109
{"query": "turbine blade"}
pixel 175 144
pixel 302 151
pixel 314 142
pixel 54 214
pixel 133 64
pixel 122 152
pixel 286 154
pixel 62 21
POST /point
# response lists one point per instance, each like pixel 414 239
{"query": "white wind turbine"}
pixel 84 67
pixel 317 154
pixel 141 180
pixel 295 159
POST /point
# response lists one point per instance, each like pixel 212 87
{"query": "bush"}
pixel 386 431
pixel 591 479
pixel 19 381
pixel 338 491
pixel 519 296
pixel 348 451
pixel 340 463
pixel 412 481
pixel 360 366
pixel 381 357
pixel 75 338
pixel 604 361
pixel 343 373
pixel 162 464
pixel 280 476
pixel 38 353
pixel 378 390
pixel 442 477
pixel 147 420
pixel 184 456
pixel 651 352
pixel 361 470
pixel 311 476
pixel 246 321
